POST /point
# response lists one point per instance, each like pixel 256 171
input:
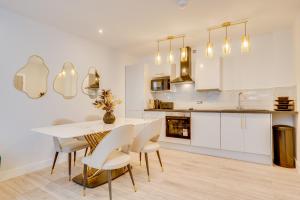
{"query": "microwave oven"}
pixel 160 84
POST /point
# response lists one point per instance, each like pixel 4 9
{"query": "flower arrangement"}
pixel 106 101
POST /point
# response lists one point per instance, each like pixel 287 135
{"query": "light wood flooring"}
pixel 186 176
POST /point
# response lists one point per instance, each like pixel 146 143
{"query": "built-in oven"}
pixel 178 125
pixel 160 83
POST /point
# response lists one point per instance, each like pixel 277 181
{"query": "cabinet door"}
pixel 257 133
pixel 208 74
pixel 232 136
pixel 205 130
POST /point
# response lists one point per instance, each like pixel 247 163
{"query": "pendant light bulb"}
pixel 226 45
pixel 209 48
pixel 170 56
pixel 158 57
pixel 183 52
pixel 245 45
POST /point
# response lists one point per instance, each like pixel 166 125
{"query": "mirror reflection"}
pixel 91 84
pixel 65 82
pixel 32 78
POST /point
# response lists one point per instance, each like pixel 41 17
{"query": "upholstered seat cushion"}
pixel 115 160
pixel 150 147
pixel 71 145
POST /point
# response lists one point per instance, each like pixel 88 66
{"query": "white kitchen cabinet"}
pixel 257 133
pixel 246 132
pixel 232 136
pixel 208 74
pixel 205 130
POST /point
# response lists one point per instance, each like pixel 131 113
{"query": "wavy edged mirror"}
pixel 32 78
pixel 65 82
pixel 91 83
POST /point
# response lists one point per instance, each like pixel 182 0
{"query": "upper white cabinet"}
pixel 205 130
pixel 245 132
pixel 208 73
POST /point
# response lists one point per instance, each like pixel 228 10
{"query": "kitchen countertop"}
pixel 223 110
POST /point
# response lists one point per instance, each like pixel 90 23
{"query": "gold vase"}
pixel 109 117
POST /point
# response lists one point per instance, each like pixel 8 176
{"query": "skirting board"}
pixel 260 159
pixel 19 171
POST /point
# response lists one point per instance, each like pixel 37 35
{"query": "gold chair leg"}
pixel 158 155
pixel 109 183
pixel 70 163
pixel 131 176
pixel 140 158
pixel 54 162
pixel 84 178
pixel 86 150
pixel 74 158
pixel 147 165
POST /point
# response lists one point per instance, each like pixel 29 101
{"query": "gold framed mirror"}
pixel 65 83
pixel 32 78
pixel 91 83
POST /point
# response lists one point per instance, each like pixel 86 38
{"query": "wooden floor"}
pixel 186 176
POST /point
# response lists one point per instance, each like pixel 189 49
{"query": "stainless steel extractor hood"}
pixel 185 68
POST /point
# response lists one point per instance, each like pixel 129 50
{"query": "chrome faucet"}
pixel 239 107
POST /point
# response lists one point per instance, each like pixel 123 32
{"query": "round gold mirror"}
pixel 91 83
pixel 32 78
pixel 65 82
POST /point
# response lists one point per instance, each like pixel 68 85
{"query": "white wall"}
pixel 296 31
pixel 21 149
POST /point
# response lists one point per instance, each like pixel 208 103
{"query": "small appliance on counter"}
pixel 284 104
pixel 157 104
pixel 166 105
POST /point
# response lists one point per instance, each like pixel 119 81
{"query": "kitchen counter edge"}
pixel 222 111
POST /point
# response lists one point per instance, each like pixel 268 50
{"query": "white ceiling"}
pixel 134 25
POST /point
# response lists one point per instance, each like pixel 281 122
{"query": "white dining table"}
pixel 85 128
pixel 91 128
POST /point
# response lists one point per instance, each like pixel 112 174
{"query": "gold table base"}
pixel 97 177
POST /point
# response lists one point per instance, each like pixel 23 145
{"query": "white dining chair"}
pixel 67 145
pixel 147 142
pixel 110 154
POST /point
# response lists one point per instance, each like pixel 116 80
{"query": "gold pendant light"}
pixel 226 45
pixel 170 58
pixel 226 48
pixel 158 57
pixel 209 48
pixel 245 45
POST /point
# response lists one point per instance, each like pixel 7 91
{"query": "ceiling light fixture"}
pixel 184 54
pixel 100 31
pixel 226 48
pixel 182 3
pixel 158 57
pixel 209 47
pixel 245 46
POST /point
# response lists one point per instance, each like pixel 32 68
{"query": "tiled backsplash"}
pixel 185 96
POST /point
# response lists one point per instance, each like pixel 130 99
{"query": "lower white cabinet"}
pixel 257 133
pixel 205 130
pixel 246 132
pixel 232 137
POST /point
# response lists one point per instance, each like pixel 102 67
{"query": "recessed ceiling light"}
pixel 100 31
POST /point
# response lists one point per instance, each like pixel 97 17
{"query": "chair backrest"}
pixel 57 141
pixel 151 132
pixel 117 138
